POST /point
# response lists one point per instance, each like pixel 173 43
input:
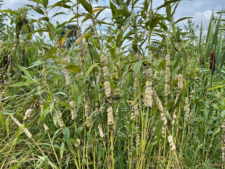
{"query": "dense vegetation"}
pixel 111 95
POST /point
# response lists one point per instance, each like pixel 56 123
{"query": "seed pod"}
pixel 173 122
pixel 133 117
pixel 138 138
pixel 105 72
pixel 107 89
pixel 125 79
pixel 101 131
pixel 110 116
pixel 177 96
pixel 163 131
pixel 98 77
pixel 167 60
pixel 102 109
pixel 158 102
pixel 29 135
pixel 136 82
pixel 153 130
pixel 167 74
pixel 72 104
pixel 46 127
pixel 28 113
pixel 172 145
pixel 155 74
pixel 164 121
pixel 103 58
pixel 186 109
pixel 148 94
pixel 25 130
pixel 114 129
pixel 149 57
pixel 59 119
pixel 78 143
pixel 117 91
pixel 67 77
pixel 89 122
pixel 180 81
pixel 135 110
pixel 174 116
pixel 87 109
pixel 73 114
pixel 177 46
pixel 117 110
pixel 167 90
pixel 66 60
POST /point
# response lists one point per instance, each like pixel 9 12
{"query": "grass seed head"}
pixel 46 127
pixel 110 116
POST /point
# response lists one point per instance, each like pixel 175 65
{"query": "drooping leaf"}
pixel 86 5
pixel 10 11
pixel 184 18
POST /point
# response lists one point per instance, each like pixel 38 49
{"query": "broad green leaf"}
pixel 38 10
pixel 62 149
pixel 67 160
pixel 25 72
pixel 154 22
pixel 66 133
pixel 66 105
pixel 73 68
pixel 45 3
pixel 49 57
pixel 113 9
pixel 19 84
pixel 75 92
pixel 6 111
pixel 51 51
pixel 46 162
pixel 128 20
pixel 89 138
pixel 89 71
pixel 137 66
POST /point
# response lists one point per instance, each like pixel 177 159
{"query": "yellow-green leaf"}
pixel 216 87
pixel 73 68
pixel 82 37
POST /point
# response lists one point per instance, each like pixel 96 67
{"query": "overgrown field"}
pixel 140 91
